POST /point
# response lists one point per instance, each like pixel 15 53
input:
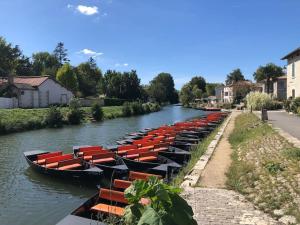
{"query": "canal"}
pixel 27 197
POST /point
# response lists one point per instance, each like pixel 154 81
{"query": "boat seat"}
pixel 111 195
pixel 104 208
pixel 105 160
pixel 122 184
pixel 147 156
pixel 70 167
pixel 141 176
pixel 87 158
pixel 150 147
pixel 69 164
pixel 161 149
pixel 103 157
pixel 59 158
pixel 41 159
pixel 51 165
pixel 132 156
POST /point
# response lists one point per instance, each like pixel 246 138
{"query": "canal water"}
pixel 29 198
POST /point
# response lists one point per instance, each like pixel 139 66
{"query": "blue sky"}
pixel 183 37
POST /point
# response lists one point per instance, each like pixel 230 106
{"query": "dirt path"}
pixel 213 175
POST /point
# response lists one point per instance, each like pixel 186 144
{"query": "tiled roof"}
pixel 32 81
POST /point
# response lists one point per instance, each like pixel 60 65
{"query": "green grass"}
pixel 264 166
pixel 15 120
pixel 196 153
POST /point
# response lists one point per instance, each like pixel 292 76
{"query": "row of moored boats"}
pixel 160 152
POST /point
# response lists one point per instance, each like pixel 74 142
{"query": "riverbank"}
pixel 265 168
pixel 17 120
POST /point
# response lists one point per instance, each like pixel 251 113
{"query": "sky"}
pixel 186 38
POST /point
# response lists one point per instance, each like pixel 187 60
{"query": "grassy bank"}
pixel 16 120
pixel 265 167
pixel 196 153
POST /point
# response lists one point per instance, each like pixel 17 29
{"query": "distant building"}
pixel 235 91
pixel 36 92
pixel 219 90
pixel 277 87
pixel 293 73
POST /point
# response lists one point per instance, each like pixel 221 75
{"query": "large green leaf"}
pixel 150 217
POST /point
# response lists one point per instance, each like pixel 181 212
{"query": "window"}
pixel 226 93
pixel 22 92
pixel 293 70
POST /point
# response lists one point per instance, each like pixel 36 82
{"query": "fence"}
pixel 8 103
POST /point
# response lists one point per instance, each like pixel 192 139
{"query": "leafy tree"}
pixel 75 114
pixel 60 53
pixel 197 93
pixel 268 72
pixel 97 112
pixel 66 76
pixel 24 66
pixel 54 117
pixel 9 56
pixel 199 82
pixel 89 76
pixel 186 94
pixel 44 63
pixel 162 89
pixel 235 76
pixel 211 88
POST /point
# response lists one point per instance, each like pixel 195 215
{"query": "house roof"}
pixel 30 80
pixel 23 86
pixel 296 51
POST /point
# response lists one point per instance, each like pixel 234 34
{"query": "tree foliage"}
pixel 162 89
pixel 89 76
pixel 67 77
pixel 199 82
pixel 211 88
pixel 235 76
pixel 268 72
pixel 61 53
pixel 44 63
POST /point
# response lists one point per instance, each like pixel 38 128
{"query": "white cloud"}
pixel 87 10
pixel 90 53
pixel 119 64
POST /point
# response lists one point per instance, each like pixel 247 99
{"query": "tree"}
pixel 235 76
pixel 89 76
pixel 186 94
pixel 199 82
pixel 268 72
pixel 211 88
pixel 162 89
pixel 61 54
pixel 9 56
pixel 44 63
pixel 197 93
pixel 24 67
pixel 67 77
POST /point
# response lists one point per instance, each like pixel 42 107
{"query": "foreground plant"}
pixel 153 202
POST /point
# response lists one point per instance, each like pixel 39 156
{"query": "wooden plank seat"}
pixel 41 159
pixel 103 158
pixel 141 176
pixel 84 150
pixel 122 184
pixel 132 154
pixel 53 161
pixel 109 209
pixel 70 164
pixel 88 155
pixel 147 156
pixel 123 149
pixel 113 196
pixel 161 147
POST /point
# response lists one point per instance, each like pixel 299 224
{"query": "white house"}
pixel 293 73
pixel 36 92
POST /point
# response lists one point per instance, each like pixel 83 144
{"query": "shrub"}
pixel 75 115
pixel 227 106
pixel 295 104
pixel 137 108
pixel 146 108
pixel 163 205
pixel 126 110
pixel 258 100
pixel 274 167
pixel 54 117
pixel 113 102
pixel 97 112
pixel 287 104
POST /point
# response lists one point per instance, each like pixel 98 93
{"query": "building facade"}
pixel 293 73
pixel 38 92
pixel 277 87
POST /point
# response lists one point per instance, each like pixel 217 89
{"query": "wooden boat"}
pixel 105 202
pixel 108 161
pixel 63 166
pixel 152 162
